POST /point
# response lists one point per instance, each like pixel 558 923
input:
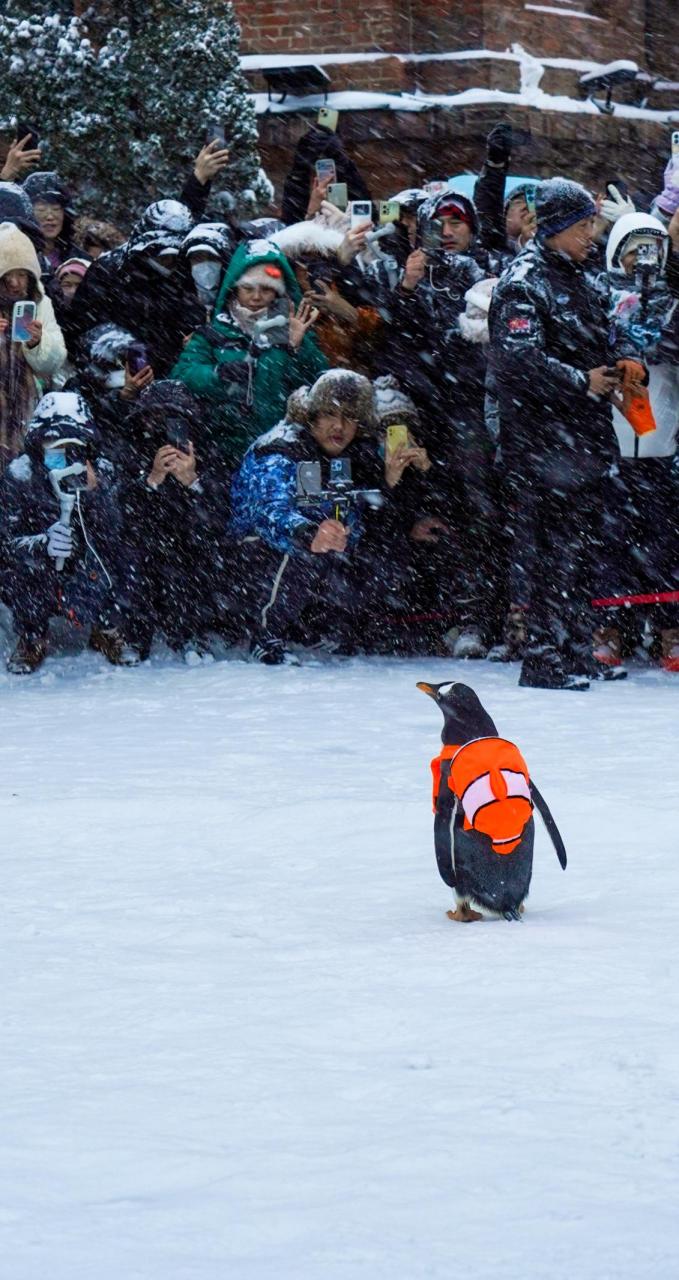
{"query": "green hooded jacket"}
pixel 239 410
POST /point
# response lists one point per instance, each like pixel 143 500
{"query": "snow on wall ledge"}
pixel 530 95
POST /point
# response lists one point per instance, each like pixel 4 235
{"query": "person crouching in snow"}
pixel 257 349
pixel 59 530
pixel 24 366
pixel 312 513
pixel 644 558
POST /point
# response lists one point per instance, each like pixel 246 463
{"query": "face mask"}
pixel 115 380
pixel 206 275
pixel 55 459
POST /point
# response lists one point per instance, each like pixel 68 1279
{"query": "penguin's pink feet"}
pixel 464 914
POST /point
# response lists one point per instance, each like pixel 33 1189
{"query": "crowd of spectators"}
pixel 421 424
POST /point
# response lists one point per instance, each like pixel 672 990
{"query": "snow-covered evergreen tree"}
pixel 51 76
pixel 123 109
pixel 186 73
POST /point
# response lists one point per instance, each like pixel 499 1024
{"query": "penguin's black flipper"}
pixel 554 833
pixel 443 845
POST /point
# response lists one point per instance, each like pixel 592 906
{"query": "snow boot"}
pixel 514 637
pixel 109 642
pixel 272 653
pixel 669 640
pixel 29 654
pixel 465 643
pixel 582 662
pixel 607 646
pixel 543 667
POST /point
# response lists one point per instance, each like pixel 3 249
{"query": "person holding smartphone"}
pixel 38 357
pixel 258 347
pixel 174 499
pixel 298 549
pixel 306 185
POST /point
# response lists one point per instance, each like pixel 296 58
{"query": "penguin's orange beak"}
pixel 426 688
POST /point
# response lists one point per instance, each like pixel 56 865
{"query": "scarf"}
pixel 244 318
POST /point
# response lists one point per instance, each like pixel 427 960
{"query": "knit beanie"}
pixel 392 405
pixel 265 274
pixel 74 266
pixel 559 204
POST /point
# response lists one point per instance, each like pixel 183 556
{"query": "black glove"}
pixel 236 372
pixel 499 144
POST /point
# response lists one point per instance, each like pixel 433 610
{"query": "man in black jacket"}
pixel 553 365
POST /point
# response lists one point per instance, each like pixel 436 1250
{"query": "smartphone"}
pixel 435 188
pixel 325 169
pixel 338 194
pixel 360 211
pixel 397 435
pixel 24 129
pixel 137 357
pixel 22 314
pixel 309 480
pixel 328 118
pixel 340 473
pixel 215 133
pixel 177 432
pixel 431 236
pixel 675 145
pixel 530 201
pixel 390 211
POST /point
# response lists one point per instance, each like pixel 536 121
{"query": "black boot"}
pixel 543 667
pixel 271 652
pixel 29 654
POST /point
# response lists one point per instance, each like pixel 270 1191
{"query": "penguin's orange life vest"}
pixel 489 777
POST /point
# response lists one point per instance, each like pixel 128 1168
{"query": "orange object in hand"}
pixel 636 404
pixel 633 372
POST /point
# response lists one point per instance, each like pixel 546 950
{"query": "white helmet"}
pixel 632 230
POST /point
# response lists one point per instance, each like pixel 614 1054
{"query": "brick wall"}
pixel 611 29
pixel 323 26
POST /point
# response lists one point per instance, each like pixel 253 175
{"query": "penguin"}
pixel 484 794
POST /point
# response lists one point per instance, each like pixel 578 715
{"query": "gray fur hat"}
pixel 336 389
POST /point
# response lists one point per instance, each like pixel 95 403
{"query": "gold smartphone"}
pixel 328 117
pixel 397 436
pixel 390 211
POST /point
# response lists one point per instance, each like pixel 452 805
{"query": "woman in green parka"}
pixel 256 351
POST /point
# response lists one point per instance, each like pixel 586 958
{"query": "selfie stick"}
pixel 66 505
pixel 387 230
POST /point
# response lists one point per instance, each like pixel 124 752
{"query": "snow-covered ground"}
pixel 241 1039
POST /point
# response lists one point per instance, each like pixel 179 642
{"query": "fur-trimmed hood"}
pixel 311 238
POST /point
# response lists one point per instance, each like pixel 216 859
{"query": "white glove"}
pixel 59 541
pixel 617 206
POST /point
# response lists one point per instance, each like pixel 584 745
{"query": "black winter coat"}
pixel 29 506
pixel 549 325
pixel 121 289
pixel 442 372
